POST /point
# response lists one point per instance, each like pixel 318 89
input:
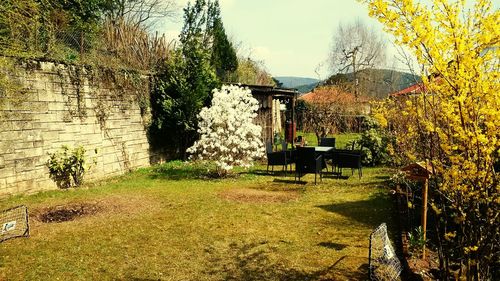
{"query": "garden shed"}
pixel 276 111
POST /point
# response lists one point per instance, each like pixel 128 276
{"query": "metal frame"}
pixel 26 233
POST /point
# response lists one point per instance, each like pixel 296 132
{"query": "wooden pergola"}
pixel 265 95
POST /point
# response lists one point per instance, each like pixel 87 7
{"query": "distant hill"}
pixel 295 82
pixel 375 83
pixel 307 88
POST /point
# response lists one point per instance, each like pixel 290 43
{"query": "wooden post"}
pixel 424 214
pixel 293 121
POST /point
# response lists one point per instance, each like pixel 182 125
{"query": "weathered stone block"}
pixel 24 164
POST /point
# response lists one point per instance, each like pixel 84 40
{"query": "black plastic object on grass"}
pixel 14 223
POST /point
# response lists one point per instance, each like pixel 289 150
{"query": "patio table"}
pixel 322 150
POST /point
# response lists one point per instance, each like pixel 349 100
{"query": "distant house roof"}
pixel 413 89
pixel 418 88
pixel 328 94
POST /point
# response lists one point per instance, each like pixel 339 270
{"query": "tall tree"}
pixel 355 48
pixel 184 86
pixel 223 57
pixel 252 72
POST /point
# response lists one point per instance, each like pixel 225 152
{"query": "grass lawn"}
pixel 340 139
pixel 168 223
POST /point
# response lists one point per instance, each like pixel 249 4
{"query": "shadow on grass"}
pixel 371 212
pixel 332 245
pixel 289 181
pixel 336 176
pixel 252 262
pixel 276 173
pixel 383 177
pixel 139 279
pixel 178 170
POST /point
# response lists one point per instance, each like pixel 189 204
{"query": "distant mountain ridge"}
pixel 294 82
pixel 375 83
pixel 372 83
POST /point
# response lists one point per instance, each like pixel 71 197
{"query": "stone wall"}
pixel 68 105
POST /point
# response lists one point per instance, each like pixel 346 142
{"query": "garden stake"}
pixel 424 214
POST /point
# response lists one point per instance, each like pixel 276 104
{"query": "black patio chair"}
pixel 327 142
pixel 277 158
pixel 329 155
pixel 343 158
pixel 308 162
pixel 269 147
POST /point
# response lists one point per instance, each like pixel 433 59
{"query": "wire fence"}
pixel 114 44
pixel 14 223
pixel 383 263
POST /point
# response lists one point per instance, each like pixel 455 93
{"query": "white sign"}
pixel 8 226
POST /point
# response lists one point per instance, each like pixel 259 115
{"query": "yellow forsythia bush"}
pixel 454 123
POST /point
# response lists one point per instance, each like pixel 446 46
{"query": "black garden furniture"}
pixel 330 142
pixel 278 158
pixel 308 161
pixel 327 142
pixel 344 158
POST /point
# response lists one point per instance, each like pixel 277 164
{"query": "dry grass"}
pixel 248 195
pixel 171 223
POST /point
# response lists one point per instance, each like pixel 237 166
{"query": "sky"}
pixel 291 37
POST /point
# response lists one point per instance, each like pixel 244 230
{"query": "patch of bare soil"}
pixel 423 269
pixel 67 212
pixel 74 210
pixel 247 195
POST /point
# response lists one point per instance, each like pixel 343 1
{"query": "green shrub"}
pixel 67 166
pixel 416 240
pixel 374 144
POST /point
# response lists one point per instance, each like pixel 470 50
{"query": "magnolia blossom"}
pixel 228 135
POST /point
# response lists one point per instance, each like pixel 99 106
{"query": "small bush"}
pixel 374 143
pixel 67 166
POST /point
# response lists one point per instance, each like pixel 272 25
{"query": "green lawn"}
pixel 340 139
pixel 171 223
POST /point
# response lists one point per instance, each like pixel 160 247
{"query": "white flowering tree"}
pixel 228 135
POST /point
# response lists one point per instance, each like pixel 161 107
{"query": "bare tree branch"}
pixel 356 47
pixel 144 13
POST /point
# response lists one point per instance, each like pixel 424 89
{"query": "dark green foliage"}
pixel 84 15
pixel 183 86
pixel 203 29
pixel 223 57
pixel 83 19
